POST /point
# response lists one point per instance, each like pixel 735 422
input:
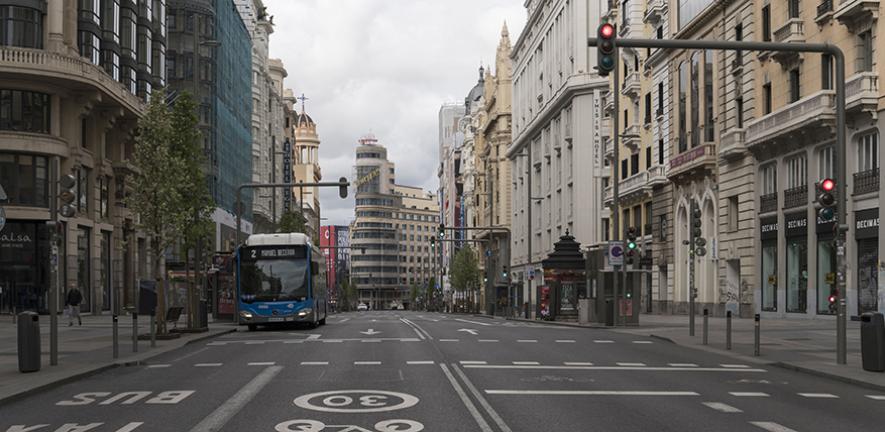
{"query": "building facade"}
pixel 73 82
pixel 451 181
pixel 305 144
pixel 556 154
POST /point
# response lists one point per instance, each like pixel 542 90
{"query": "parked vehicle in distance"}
pixel 362 307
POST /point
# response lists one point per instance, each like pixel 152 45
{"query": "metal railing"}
pixel 796 197
pixel 768 203
pixel 866 181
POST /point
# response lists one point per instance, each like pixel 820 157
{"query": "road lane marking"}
pixel 422 333
pixel 578 364
pixel 371 340
pixel 332 341
pixel 216 420
pixel 734 366
pixel 488 340
pixel 254 342
pixel 207 365
pixel 721 407
pixel 483 425
pixel 526 340
pixel 262 363
pixel 297 341
pixel 366 363
pixel 630 364
pixel 819 395
pixel 748 394
pixel 642 342
pixel 158 366
pixel 482 401
pixel 592 393
pixel 603 341
pixel 314 363
pixel 771 426
pixel 472 362
pixel 449 340
pixel 526 363
pixel 611 368
pixel 472 322
pixel 682 364
pixel 420 362
pixel 877 397
pixel 565 341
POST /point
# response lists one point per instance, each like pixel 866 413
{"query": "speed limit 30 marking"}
pixel 356 401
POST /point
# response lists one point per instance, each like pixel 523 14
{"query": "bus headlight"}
pixel 245 314
pixel 305 312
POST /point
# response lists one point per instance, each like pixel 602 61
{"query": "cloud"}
pixel 385 67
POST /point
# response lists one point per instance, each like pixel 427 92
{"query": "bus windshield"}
pixel 273 279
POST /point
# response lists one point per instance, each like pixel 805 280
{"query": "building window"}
pixel 82 187
pixel 24 179
pixel 648 158
pixel 695 99
pixel 660 152
pixel 732 213
pixel 769 179
pixel 797 274
pixel 688 9
pixel 623 169
pixel 794 85
pixel 683 86
pixel 21 27
pixel 634 164
pixel 827 162
pixel 796 171
pixel 826 274
pixel 826 71
pixel 128 32
pixel 648 108
pixel 766 98
pixel 793 8
pixel 739 111
pixel 769 275
pixel 868 152
pixel 660 99
pixel 104 197
pixel 24 111
pixel 766 23
pixel 739 36
pixel 90 47
pixel 84 267
pixel 709 126
pixel 660 32
pixel 865 51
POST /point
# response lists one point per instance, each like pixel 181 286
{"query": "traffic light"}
pixel 432 241
pixel 442 231
pixel 832 299
pixel 826 197
pixel 698 242
pixel 504 271
pixel 67 193
pixel 606 52
pixel 342 187
pixel 631 244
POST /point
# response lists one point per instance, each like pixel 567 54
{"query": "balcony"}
pixel 630 187
pixel 824 11
pixel 793 31
pixel 657 175
pixel 768 203
pixel 856 13
pixel 609 103
pixel 793 121
pixel 631 86
pixel 655 10
pixel 608 145
pixel 796 197
pixel 700 157
pixel 630 137
pixel 605 127
pixel 862 92
pixel 733 144
pixel 866 181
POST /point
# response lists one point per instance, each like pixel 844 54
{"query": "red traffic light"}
pixel 827 185
pixel 606 31
pixel 832 298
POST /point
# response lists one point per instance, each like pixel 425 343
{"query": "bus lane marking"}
pixel 356 401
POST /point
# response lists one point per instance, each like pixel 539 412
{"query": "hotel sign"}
pixel 287 174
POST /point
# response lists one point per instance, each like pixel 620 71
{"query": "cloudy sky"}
pixel 385 67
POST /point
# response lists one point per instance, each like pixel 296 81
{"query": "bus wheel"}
pixel 253 327
pixel 323 321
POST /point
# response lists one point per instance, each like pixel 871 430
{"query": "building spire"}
pixel 303 99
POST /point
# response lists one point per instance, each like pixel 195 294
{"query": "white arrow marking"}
pixel 370 332
pixel 471 331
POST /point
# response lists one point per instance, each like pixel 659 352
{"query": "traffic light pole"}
pixel 616 190
pixel 841 149
pixel 54 170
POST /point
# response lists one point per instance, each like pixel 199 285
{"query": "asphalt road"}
pixel 412 371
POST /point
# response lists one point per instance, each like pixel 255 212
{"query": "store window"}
pixel 24 111
pixel 106 270
pixel 826 274
pixel 84 267
pixel 24 179
pixel 797 263
pixel 768 233
pixel 867 234
pixel 21 27
pixel 82 186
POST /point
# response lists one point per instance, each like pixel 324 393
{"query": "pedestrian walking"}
pixel 72 301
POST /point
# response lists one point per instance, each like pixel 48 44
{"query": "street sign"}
pixel 2 218
pixel 616 253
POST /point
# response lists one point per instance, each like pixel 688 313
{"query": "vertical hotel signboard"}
pixel 329 244
pixel 287 174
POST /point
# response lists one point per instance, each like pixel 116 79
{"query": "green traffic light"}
pixel 631 245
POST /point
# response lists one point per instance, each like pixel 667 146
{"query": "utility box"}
pixel 583 311
pixel 872 341
pixel 28 342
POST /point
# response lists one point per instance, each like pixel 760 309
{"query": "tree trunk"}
pixel 191 323
pixel 161 288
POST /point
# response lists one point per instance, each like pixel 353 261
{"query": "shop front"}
pixel 866 233
pixel 768 229
pixel 24 255
pixel 796 233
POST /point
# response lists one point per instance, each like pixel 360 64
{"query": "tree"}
pixel 293 222
pixel 346 295
pixel 465 274
pixel 156 189
pixel 414 295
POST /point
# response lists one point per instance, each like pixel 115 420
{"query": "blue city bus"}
pixel 281 279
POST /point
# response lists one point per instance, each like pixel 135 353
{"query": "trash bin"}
pixel 872 341
pixel 28 342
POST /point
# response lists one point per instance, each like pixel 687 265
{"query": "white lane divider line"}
pixel 216 420
pixel 642 342
pixel 565 341
pixel 366 363
pixel 262 363
pixel 748 394
pixel 254 342
pixel 314 363
pixel 608 368
pixel 737 366
pixel 371 340
pixel 158 366
pixel 631 364
pixel 721 407
pixel 877 397
pixel 592 393
pixel 332 340
pixel 526 340
pixel 420 362
pixel 771 426
pixel 682 364
pixel 472 322
pixel 216 343
pixel 603 341
pixel 482 401
pixel 207 365
pixel 449 340
pixel 471 407
pixel 578 364
pixel 488 340
pixel 819 395
pixel 526 363
pixel 472 362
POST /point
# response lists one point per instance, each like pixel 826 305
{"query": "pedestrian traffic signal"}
pixel 826 197
pixel 67 193
pixel 606 52
pixel 697 240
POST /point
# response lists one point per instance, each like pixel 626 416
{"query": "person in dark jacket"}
pixel 73 300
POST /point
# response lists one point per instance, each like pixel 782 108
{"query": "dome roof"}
pixel 304 120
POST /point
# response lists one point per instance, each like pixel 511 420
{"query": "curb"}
pixel 103 368
pixel 663 338
pixel 847 380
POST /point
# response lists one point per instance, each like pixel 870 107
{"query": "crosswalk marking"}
pixel 314 363
pixel 578 364
pixel 526 363
pixel 603 341
pixel 877 397
pixel 721 407
pixel 158 366
pixel 366 363
pixel 472 362
pixel 682 364
pixel 565 341
pixel 630 364
pixel 771 426
pixel 748 394
pixel 262 363
pixel 207 365
pixel 420 362
pixel 526 340
pixel 819 395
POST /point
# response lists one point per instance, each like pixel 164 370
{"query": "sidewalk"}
pixel 82 351
pixel 803 345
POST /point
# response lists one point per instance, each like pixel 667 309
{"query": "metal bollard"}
pixel 153 331
pixel 756 336
pixel 134 332
pixel 728 330
pixel 116 336
pixel 706 324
